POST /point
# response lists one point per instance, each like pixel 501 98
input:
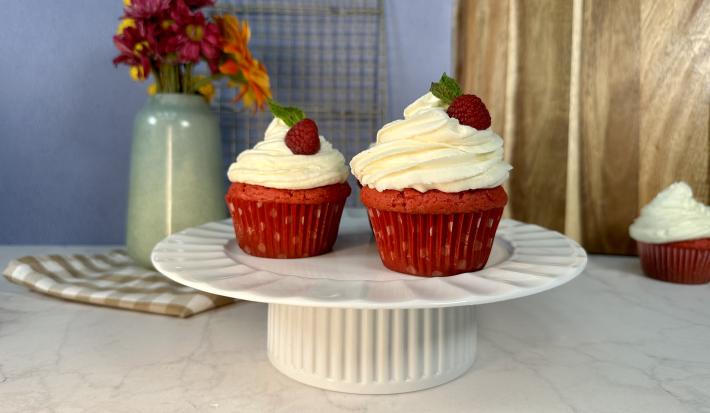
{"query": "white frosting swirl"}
pixel 673 215
pixel 272 164
pixel 430 150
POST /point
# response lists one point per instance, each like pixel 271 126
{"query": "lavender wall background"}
pixel 66 114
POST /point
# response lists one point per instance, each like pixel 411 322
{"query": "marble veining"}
pixel 609 341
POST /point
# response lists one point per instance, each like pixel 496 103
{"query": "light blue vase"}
pixel 176 171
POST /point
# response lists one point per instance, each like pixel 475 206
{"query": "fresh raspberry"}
pixel 470 111
pixel 302 138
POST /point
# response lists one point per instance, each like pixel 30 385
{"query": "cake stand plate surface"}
pixel 343 322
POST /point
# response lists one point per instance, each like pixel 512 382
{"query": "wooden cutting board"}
pixel 602 104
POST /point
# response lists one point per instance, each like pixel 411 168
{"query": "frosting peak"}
pixel 427 101
pixel 272 164
pixel 673 215
pixel 430 150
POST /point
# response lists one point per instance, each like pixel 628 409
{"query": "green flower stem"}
pixel 178 70
pixel 168 78
pixel 187 79
pixel 156 74
pixel 164 78
pixel 174 78
pixel 178 78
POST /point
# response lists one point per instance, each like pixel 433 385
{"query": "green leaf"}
pixel 447 89
pixel 197 84
pixel 290 115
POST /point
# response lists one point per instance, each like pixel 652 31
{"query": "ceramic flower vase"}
pixel 176 178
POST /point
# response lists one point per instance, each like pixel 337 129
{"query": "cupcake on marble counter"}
pixel 673 237
pixel 432 184
pixel 288 192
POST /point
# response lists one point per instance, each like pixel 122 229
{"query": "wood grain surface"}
pixel 539 152
pixel 624 108
pixel 675 96
pixel 538 144
pixel 482 50
pixel 609 124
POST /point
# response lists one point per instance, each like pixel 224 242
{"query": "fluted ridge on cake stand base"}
pixel 371 351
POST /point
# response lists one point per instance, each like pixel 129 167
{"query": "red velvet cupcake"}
pixel 432 185
pixel 415 237
pixel 673 237
pixel 289 191
pixel 684 262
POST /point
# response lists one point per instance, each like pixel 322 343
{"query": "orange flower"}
pixel 235 36
pixel 244 72
pixel 252 80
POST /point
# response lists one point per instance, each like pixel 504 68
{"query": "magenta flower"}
pixel 198 4
pixel 136 47
pixel 194 37
pixel 145 9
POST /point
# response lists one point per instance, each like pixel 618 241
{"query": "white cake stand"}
pixel 343 322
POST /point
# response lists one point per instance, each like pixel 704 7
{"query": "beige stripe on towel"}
pixel 110 280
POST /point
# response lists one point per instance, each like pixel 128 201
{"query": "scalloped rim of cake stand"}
pixel 526 259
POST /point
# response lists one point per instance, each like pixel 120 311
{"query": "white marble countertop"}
pixel 609 341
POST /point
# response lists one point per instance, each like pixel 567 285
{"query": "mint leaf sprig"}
pixel 289 114
pixel 447 89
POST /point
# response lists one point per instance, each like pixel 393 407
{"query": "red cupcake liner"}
pixel 675 264
pixel 281 230
pixel 434 245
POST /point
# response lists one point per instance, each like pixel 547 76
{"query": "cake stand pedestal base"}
pixel 341 321
pixel 377 351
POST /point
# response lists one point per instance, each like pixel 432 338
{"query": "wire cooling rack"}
pixel 327 57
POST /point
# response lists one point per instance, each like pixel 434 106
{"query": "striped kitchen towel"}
pixel 111 280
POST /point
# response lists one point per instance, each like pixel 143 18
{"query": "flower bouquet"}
pixel 168 38
pixel 177 170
